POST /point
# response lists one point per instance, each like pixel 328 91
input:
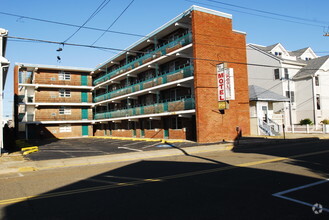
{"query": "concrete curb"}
pixel 28 166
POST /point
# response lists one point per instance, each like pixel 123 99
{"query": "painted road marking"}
pixel 280 194
pixel 132 149
pixel 92 189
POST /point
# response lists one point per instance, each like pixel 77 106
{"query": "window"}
pixel 64 93
pixel 64 110
pixel 64 76
pixel 65 128
pixel 318 103
pixel 316 81
pixel 277 53
pixel 291 95
pixel 176 123
pixel 286 74
pixel 276 74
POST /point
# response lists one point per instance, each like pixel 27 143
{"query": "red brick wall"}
pixel 46 114
pixel 122 133
pixel 213 39
pixel 43 76
pixel 154 133
pixel 52 95
pixel 52 131
pixel 177 134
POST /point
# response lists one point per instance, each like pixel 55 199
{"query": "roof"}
pixel 257 93
pixel 266 48
pixel 311 68
pixel 299 52
pixel 54 67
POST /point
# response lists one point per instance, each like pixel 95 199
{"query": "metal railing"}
pixel 165 106
pixel 267 128
pixel 164 77
pixel 160 51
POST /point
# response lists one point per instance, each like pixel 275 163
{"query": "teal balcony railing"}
pixel 160 51
pixel 168 106
pixel 164 77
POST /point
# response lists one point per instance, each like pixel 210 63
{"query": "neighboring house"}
pixel 312 84
pixel 166 85
pixel 263 121
pixel 294 74
pixel 4 65
pixel 52 101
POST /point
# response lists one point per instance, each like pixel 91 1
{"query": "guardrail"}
pixel 160 51
pixel 166 106
pixel 165 77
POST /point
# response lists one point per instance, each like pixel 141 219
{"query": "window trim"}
pixel 64 93
pixel 64 110
pixel 65 128
pixel 64 76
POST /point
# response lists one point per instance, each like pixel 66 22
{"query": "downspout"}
pixel 314 100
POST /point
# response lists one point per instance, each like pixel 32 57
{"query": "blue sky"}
pixel 142 17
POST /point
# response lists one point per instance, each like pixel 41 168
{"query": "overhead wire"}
pixel 263 16
pixel 70 25
pixel 113 22
pixel 267 12
pixel 137 51
pixel 99 8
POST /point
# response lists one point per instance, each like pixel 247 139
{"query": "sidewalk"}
pixel 15 162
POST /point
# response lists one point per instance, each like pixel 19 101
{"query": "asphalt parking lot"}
pixel 84 147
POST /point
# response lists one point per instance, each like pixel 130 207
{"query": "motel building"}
pixel 185 80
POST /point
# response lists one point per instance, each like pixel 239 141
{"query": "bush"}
pixel 325 121
pixel 306 121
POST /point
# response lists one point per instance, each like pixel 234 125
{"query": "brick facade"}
pixel 53 131
pixel 53 114
pixel 52 95
pixel 44 76
pixel 213 39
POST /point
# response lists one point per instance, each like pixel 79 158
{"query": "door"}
pixel 84 80
pixel 85 130
pixel 166 127
pixel 84 97
pixel 84 113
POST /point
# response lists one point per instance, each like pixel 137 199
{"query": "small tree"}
pixel 306 121
pixel 325 121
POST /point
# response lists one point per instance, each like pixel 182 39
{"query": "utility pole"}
pixel 4 63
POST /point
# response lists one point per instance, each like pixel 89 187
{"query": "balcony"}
pixel 61 118
pixel 54 81
pixel 164 77
pixel 61 100
pixel 165 106
pixel 160 51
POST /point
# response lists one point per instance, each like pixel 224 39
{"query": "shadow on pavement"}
pixel 308 148
pixel 173 190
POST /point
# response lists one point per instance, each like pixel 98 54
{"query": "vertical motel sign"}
pixel 225 85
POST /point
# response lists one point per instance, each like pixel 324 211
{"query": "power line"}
pixel 263 16
pixel 99 8
pixel 70 25
pixel 113 22
pixel 136 51
pixel 268 12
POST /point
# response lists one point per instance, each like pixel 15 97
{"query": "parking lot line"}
pixel 280 194
pixel 132 149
